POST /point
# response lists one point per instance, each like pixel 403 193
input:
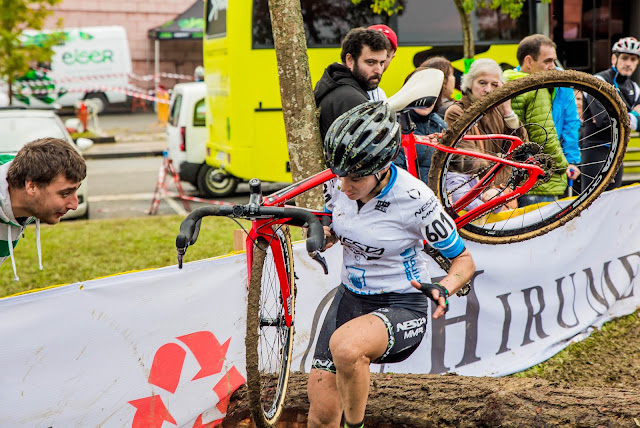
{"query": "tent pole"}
pixel 156 69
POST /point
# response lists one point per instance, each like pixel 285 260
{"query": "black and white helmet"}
pixel 628 45
pixel 362 141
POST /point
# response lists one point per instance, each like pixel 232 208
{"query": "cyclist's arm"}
pixel 461 271
pixel 440 233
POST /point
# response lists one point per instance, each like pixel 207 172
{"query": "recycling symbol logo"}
pixel 166 373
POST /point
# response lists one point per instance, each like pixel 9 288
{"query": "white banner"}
pixel 165 347
pixel 136 349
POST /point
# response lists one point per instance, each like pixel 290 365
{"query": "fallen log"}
pixel 401 400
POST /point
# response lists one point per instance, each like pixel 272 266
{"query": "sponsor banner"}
pixel 129 350
pixel 166 346
pixel 529 300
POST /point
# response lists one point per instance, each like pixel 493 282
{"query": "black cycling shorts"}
pixel 404 314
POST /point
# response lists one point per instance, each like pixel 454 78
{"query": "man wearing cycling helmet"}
pixel 382 216
pixel 625 54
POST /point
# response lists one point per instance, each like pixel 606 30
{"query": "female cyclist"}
pixel 382 216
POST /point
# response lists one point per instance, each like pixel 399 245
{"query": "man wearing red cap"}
pixel 378 93
pixel 344 85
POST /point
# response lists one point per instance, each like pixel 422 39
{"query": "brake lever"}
pixel 321 260
pixel 181 253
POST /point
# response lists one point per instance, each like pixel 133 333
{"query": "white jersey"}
pixel 377 94
pixel 383 240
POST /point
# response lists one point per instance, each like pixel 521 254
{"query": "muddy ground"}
pixel 595 383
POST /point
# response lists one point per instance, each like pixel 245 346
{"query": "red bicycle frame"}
pixel 409 142
pixel 266 228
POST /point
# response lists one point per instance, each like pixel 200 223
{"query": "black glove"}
pixel 427 289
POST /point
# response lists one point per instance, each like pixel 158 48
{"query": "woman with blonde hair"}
pixel 485 76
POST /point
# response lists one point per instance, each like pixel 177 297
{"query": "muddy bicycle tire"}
pixel 513 227
pixel 268 341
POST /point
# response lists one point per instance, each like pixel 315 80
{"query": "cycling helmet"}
pixel 628 45
pixel 362 141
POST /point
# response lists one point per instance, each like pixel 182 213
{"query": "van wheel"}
pixel 215 182
pixel 99 100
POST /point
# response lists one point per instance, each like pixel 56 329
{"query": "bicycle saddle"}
pixel 421 90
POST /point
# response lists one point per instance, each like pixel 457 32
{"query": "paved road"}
pixel 124 187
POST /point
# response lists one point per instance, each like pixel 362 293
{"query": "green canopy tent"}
pixel 189 25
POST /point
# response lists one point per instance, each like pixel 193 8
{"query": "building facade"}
pixel 137 17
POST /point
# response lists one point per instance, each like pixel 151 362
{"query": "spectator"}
pixel 445 100
pixel 537 53
pixel 567 122
pixel 345 85
pixel 625 54
pixel 378 93
pixel 484 76
pixel 427 122
pixel 39 184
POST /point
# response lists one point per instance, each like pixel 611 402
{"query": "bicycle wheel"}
pixel 449 172
pixel 269 341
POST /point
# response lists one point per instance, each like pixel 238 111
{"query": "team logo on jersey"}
pixel 367 251
pixel 382 206
pixel 414 193
pixel 410 264
pixel 325 191
pixel 356 276
pixel 427 207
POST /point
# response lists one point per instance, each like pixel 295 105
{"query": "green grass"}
pixel 81 250
pixel 609 357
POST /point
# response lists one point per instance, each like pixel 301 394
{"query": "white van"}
pixel 187 135
pixel 91 63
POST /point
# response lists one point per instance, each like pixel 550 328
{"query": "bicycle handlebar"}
pixel 190 226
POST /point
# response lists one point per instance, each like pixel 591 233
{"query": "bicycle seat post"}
pixel 406 124
pixel 255 195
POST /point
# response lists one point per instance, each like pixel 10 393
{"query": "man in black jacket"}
pixel 345 85
pixel 625 55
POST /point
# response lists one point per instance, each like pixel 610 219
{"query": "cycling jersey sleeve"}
pixel 328 190
pixel 441 233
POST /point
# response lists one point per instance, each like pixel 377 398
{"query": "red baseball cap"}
pixel 391 35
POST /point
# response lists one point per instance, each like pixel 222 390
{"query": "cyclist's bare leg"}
pixel 325 409
pixel 353 346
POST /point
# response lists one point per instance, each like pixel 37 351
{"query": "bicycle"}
pixel 272 289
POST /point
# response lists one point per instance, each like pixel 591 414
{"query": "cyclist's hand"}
pixel 573 172
pixel 435 292
pixel 330 238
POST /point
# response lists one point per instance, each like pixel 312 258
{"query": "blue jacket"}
pixel 425 125
pixel 565 117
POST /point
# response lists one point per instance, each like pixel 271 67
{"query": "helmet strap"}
pixel 380 178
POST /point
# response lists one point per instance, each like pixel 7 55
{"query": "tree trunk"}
pixel 467 34
pixel 298 104
pixel 10 90
pixel 400 400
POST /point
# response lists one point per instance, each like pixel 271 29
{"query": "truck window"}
pixel 175 110
pixel 326 22
pixel 200 113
